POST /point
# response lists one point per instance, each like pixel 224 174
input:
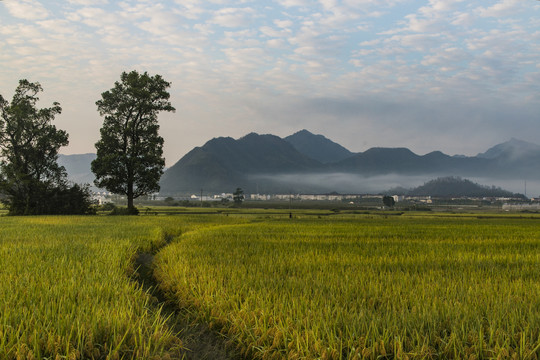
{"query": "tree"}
pixel 31 180
pixel 130 152
pixel 238 196
pixel 388 201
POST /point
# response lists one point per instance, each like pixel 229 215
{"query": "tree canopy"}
pixel 31 181
pixel 388 201
pixel 130 151
pixel 238 196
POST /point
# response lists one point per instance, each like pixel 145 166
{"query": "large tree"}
pixel 31 181
pixel 29 146
pixel 130 152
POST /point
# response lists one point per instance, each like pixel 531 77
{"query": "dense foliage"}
pixel 31 181
pixel 130 151
pixel 238 196
pixel 388 201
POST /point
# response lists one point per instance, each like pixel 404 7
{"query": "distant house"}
pixel 521 207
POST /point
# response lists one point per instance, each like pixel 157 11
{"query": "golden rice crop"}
pixel 66 292
pixel 397 287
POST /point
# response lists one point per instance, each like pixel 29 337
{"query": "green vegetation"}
pixel 364 287
pixel 455 186
pixel 130 151
pixel 321 285
pixel 31 181
pixel 66 293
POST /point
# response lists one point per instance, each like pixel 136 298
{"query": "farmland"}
pixel 67 288
pixel 341 286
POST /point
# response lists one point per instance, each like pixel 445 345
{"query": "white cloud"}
pixel 271 32
pixel 234 17
pixel 416 42
pixel 158 21
pixel 283 23
pixel 438 6
pixel 449 59
pixel 27 9
pixel 293 3
pixel 191 9
pixel 56 26
pixel 502 8
pixel 88 2
pixel 463 19
pixel 329 5
pixel 277 43
pixel 96 17
pixel 240 39
pixel 421 25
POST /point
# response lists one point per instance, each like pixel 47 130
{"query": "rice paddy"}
pixel 369 288
pixel 350 286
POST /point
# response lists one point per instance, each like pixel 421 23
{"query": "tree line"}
pixel 129 152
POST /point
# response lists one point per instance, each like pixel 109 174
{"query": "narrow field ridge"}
pixel 198 339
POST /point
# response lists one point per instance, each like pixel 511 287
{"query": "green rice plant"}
pixel 364 287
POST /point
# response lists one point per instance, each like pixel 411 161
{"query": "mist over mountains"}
pixel 309 163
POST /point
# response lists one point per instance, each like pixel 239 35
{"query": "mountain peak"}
pixel 317 147
pixel 303 132
pixel 513 148
pixel 226 163
pixel 251 135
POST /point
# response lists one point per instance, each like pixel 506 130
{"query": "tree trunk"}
pixel 130 202
pixel 131 208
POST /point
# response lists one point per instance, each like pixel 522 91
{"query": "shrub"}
pixel 124 211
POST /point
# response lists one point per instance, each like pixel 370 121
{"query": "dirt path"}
pixel 199 339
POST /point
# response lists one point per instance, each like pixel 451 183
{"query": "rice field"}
pixel 364 287
pixel 345 286
pixel 67 289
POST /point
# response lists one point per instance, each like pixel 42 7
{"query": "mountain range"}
pixel 309 163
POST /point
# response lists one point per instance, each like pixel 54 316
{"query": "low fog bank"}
pixel 358 184
pixel 338 182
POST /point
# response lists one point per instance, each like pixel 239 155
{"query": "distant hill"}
pixel 270 164
pixel 78 167
pixel 452 186
pixel 318 147
pixel 514 159
pixel 511 150
pixel 223 164
pixel 377 161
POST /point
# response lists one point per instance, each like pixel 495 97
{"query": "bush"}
pixel 58 200
pixel 108 206
pixel 124 211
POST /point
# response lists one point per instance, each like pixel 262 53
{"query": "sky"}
pixel 452 75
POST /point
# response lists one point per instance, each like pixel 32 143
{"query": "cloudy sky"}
pixel 451 75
